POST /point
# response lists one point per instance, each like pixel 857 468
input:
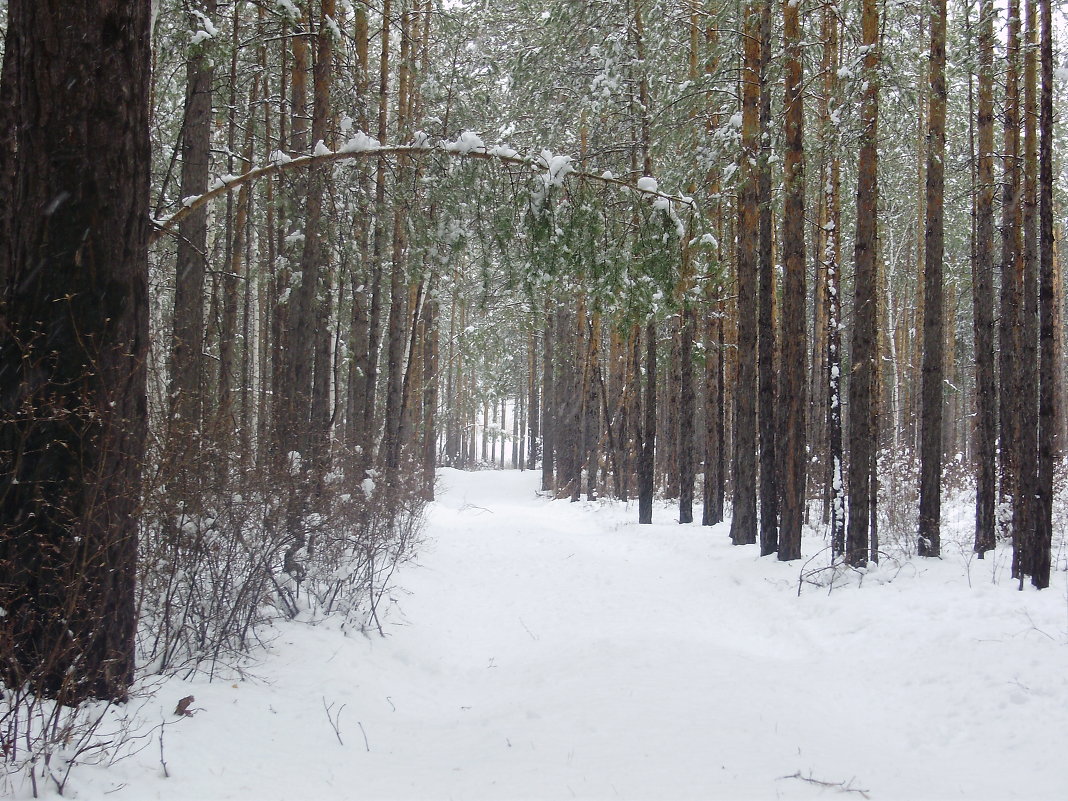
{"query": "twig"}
pixel 162 761
pixel 335 720
pixel 533 636
pixel 842 787
pixel 366 744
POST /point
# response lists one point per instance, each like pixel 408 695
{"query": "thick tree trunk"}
pixel 74 316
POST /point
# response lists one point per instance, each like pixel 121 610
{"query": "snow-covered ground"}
pixel 548 650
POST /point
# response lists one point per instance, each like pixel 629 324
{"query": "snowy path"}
pixel 548 650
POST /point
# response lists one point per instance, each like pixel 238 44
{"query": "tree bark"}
pixel 1009 321
pixel 929 539
pixel 73 344
pixel 829 245
pixel 743 463
pixel 767 409
pixel 862 429
pixel 792 391
pixel 1026 395
pixel 1047 402
pixel 187 377
pixel 983 294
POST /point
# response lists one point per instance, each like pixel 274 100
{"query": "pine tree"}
pixel 929 542
pixel 74 317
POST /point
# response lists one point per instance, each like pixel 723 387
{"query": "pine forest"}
pixel 291 289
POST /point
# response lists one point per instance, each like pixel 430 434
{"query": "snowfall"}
pixel 542 649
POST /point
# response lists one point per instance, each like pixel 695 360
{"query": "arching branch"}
pixel 552 169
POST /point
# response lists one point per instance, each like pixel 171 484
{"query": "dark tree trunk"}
pixel 862 433
pixel 929 540
pixel 743 464
pixel 1047 410
pixel 767 409
pixel 983 292
pixel 73 343
pixel 1026 395
pixel 792 392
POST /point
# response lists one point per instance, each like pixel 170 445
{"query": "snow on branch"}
pixel 552 170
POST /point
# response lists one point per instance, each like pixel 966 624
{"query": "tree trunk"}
pixel 548 401
pixel 1047 410
pixel 862 429
pixel 829 244
pixel 929 540
pixel 646 456
pixel 767 409
pixel 983 292
pixel 792 391
pixel 1026 395
pixel 187 346
pixel 743 464
pixel 74 309
pixel 1009 321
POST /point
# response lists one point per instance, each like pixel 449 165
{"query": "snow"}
pixel 504 152
pixel 467 142
pixel 647 184
pixel 544 649
pixel 359 142
pixel 206 31
pixel 557 168
pixel 321 149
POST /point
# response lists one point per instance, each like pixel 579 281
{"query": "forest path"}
pixel 576 652
pixel 549 650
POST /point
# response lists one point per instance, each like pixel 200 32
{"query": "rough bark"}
pixel 862 429
pixel 73 342
pixel 1047 409
pixel 767 410
pixel 929 539
pixel 983 294
pixel 1026 395
pixel 794 347
pixel 743 463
